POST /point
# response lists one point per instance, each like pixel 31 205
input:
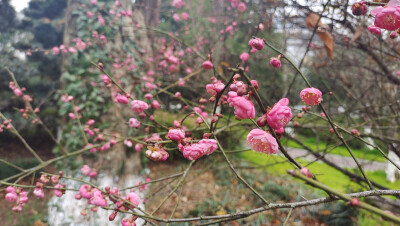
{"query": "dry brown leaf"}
pixel 357 34
pixel 312 19
pixel 327 38
pixel 323 34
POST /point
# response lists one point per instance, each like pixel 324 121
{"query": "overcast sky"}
pixel 19 4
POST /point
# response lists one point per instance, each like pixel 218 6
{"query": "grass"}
pixel 325 174
pixel 364 153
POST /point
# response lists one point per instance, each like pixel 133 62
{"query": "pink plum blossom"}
pixel 122 99
pixel 244 56
pixel 85 170
pixel 185 16
pixel 241 7
pixel 194 151
pixel 176 134
pixel 275 62
pixel 134 123
pixel 244 108
pixel 374 30
pixel 139 106
pixel 311 96
pixel 211 145
pixel 280 114
pixel 261 141
pixel 387 17
pixel 256 43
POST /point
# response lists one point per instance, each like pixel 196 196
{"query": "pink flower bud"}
pixel 359 8
pixel 275 62
pixel 138 147
pixel 374 30
pixel 178 95
pixel 256 43
pixel 207 65
pixel 355 202
pixel 355 132
pixel 306 172
pixel 155 104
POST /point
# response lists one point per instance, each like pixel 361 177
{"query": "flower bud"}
pixel 359 8
pixel 262 121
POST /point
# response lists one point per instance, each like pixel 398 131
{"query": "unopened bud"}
pixel 359 8
pixel 112 216
pixel 354 202
pixel 262 121
pixel 299 115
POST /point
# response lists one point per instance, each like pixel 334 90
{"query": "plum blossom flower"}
pixel 98 198
pixel 138 147
pixel 216 87
pixel 139 106
pixel 134 123
pixel 256 43
pixel 133 198
pixel 311 96
pixel 244 56
pixel 177 3
pixel 58 190
pixel 176 17
pixel 185 16
pixel 155 104
pixel 261 141
pixel 128 143
pixel 211 145
pixel 157 154
pixel 38 192
pixel 122 99
pixel 387 17
pixel 86 191
pixel 85 170
pixel 55 50
pixel 12 197
pixel 244 108
pixel 241 7
pixel 194 151
pixel 280 114
pixel 176 134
